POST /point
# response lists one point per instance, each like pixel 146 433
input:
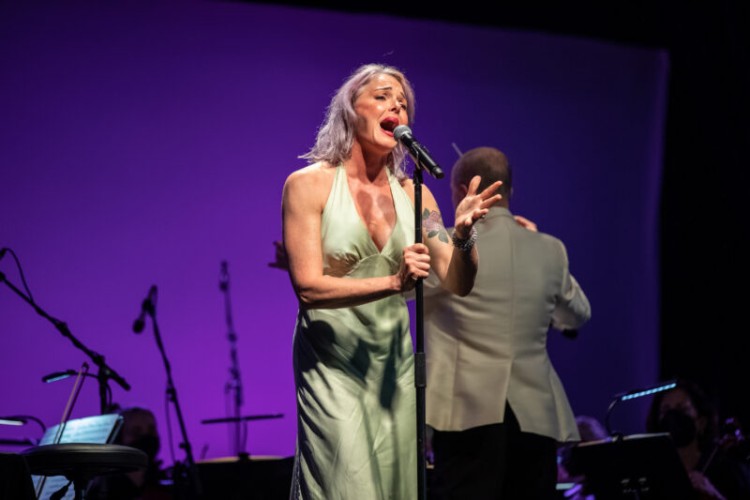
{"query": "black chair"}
pixel 81 462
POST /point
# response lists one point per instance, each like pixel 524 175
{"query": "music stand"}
pixel 225 420
pixel 97 429
pixel 237 421
pixel 636 467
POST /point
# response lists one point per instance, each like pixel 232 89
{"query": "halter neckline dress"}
pixel 354 368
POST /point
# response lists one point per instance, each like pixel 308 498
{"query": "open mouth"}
pixel 389 124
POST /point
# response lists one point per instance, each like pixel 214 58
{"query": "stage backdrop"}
pixel 144 142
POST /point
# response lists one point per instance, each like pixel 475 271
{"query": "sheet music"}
pixel 99 429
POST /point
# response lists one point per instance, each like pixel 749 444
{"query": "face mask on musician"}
pixel 679 425
pixel 148 444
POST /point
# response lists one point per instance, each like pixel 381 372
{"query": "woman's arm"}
pixel 456 268
pixel 303 199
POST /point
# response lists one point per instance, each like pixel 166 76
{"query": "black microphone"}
pixel 223 277
pixel 419 153
pixel 146 306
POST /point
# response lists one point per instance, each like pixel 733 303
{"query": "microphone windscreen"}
pixel 138 325
pixel 401 131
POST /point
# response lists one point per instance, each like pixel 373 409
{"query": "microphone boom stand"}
pixel 235 381
pixel 105 371
pixel 194 482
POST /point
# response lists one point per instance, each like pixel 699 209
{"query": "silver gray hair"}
pixel 336 135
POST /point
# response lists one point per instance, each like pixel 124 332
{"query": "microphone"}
pixel 223 277
pixel 147 306
pixel 419 153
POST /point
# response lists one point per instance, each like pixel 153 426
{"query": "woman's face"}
pixel 139 431
pixel 380 108
pixel 679 417
pixel 677 399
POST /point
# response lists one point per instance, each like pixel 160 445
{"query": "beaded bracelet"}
pixel 465 244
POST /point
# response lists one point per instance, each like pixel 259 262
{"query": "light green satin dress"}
pixel 354 369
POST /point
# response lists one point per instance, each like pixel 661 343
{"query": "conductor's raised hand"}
pixel 475 205
pixel 526 223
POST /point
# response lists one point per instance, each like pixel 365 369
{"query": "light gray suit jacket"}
pixel 491 346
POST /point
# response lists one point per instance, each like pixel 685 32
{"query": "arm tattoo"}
pixel 433 224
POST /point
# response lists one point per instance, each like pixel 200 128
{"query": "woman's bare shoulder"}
pixel 408 185
pixel 315 172
pixel 311 182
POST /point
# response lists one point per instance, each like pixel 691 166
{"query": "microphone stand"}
pixel 422 160
pixel 419 356
pixel 194 482
pixel 235 381
pixel 105 372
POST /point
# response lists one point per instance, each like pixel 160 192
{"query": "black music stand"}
pixel 82 462
pixel 636 467
pixel 237 420
pixel 247 418
pixel 75 449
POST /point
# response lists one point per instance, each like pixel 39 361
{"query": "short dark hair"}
pixel 489 163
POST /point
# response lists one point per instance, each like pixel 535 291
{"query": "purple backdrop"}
pixel 144 142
